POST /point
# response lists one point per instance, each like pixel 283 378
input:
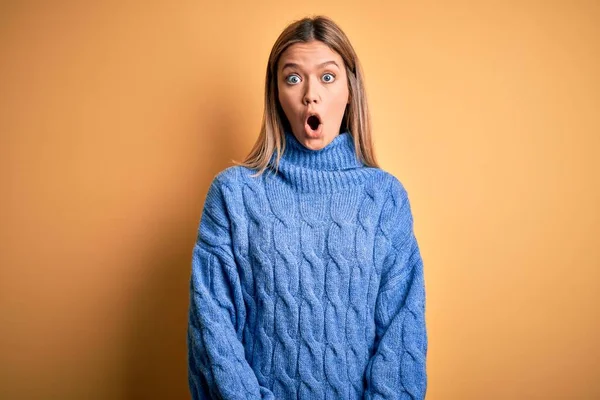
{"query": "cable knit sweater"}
pixel 307 283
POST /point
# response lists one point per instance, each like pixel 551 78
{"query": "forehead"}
pixel 309 53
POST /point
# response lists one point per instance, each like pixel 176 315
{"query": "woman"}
pixel 307 281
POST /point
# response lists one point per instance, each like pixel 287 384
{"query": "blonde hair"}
pixel 356 119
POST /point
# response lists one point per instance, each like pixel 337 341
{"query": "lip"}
pixel 311 113
pixel 307 129
pixel 313 134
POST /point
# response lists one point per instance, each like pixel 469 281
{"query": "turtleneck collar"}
pixel 339 154
pixel 331 168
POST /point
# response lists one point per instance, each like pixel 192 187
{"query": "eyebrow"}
pixel 294 65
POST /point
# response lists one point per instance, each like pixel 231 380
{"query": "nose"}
pixel 311 93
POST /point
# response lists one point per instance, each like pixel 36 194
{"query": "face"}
pixel 313 92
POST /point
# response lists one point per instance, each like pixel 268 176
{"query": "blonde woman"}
pixel 307 280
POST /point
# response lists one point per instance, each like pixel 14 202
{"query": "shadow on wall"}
pixel 156 348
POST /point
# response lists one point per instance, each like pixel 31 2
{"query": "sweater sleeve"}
pixel 397 369
pixel 217 367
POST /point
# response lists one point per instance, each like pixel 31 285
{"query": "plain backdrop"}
pixel 115 117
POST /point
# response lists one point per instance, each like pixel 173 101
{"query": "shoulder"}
pixel 388 183
pixel 231 178
pixel 396 212
pixel 396 220
pixel 226 188
pixel 223 192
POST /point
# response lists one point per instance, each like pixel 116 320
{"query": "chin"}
pixel 316 143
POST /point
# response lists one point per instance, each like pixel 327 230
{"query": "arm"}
pixel 397 369
pixel 217 368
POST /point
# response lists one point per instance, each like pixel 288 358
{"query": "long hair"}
pixel 356 119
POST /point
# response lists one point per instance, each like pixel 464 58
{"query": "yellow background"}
pixel 114 118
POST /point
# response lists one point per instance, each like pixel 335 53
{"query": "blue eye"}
pixel 293 79
pixel 331 79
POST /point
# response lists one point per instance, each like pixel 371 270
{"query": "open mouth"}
pixel 314 122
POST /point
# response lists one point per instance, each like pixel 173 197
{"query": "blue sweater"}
pixel 307 284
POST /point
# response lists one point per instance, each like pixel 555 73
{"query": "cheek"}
pixel 283 100
pixel 286 104
pixel 285 97
pixel 341 96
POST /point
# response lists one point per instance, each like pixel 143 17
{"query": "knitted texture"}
pixel 307 283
